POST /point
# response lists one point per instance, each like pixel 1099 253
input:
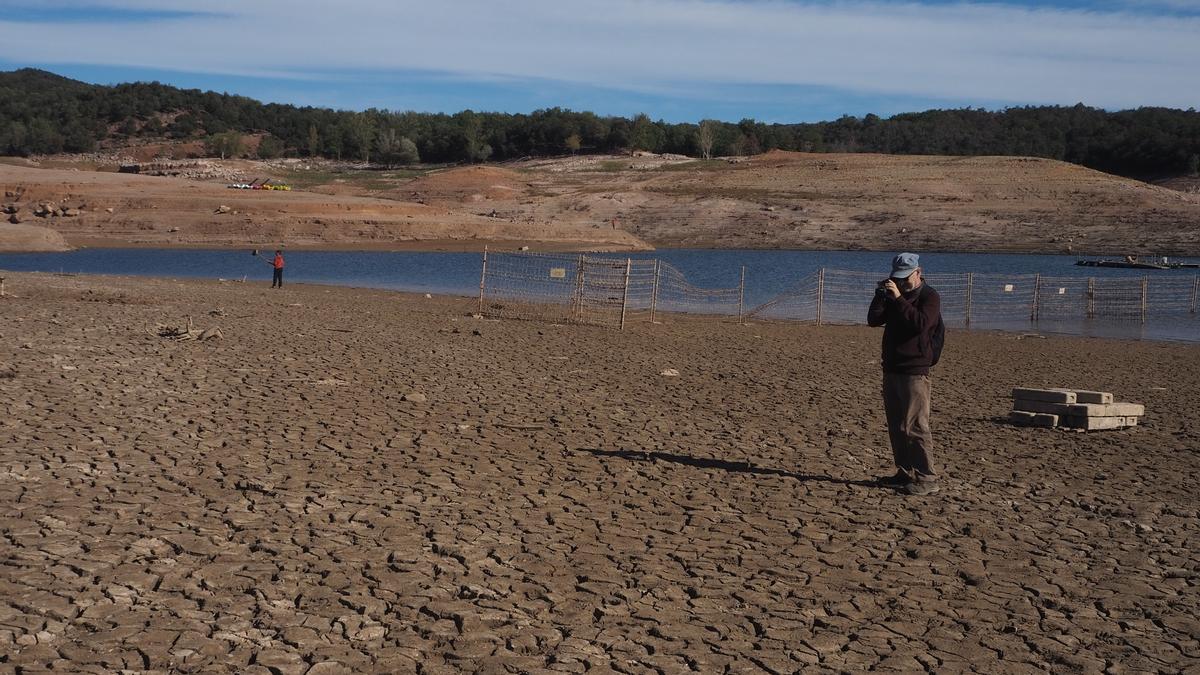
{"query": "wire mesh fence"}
pixel 611 291
pixel 676 294
pixel 594 290
pixel 983 300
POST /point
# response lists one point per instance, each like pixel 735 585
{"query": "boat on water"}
pixel 1133 262
pixel 1122 264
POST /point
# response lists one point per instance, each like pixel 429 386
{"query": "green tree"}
pixel 392 148
pixel 752 132
pixel 184 126
pixel 313 140
pixel 408 152
pixel 43 112
pixel 572 143
pixel 472 140
pixel 334 144
pixel 706 136
pixel 270 147
pixel 360 136
pixel 642 136
pixel 618 135
pixel 225 145
pixel 44 138
pixel 387 145
pixel 14 139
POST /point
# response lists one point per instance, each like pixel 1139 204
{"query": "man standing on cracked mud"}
pixel 911 313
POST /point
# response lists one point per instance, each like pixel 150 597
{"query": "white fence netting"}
pixel 590 289
pixel 610 291
pixel 981 300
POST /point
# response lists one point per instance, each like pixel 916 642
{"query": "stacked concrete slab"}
pixel 1072 409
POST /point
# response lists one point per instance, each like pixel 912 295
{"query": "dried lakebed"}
pixel 279 501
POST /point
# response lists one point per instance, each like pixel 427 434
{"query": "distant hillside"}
pixel 809 201
pixel 43 113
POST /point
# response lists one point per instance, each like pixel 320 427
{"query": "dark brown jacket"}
pixel 909 322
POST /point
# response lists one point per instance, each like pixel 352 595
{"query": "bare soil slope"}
pixel 837 201
pixel 775 200
pixel 22 237
pixel 103 208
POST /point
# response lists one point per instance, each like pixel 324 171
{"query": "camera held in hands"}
pixel 881 287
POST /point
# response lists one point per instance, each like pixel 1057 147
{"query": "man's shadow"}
pixel 725 465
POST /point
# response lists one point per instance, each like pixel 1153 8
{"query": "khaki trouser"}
pixel 906 402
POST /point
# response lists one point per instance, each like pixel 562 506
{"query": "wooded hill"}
pixel 44 113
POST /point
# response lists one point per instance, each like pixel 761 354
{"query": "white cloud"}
pixel 983 52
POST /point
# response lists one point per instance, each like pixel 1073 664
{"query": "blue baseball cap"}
pixel 904 265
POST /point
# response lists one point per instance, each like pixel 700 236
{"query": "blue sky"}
pixel 679 60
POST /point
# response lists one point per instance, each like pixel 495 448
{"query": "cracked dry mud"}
pixel 271 502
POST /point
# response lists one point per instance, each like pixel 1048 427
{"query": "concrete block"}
pixel 1041 407
pixel 1029 419
pixel 1093 423
pixel 1132 421
pixel 1084 396
pixel 1047 395
pixel 1110 410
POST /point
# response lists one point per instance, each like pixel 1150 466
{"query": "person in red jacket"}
pixel 277 266
pixel 911 313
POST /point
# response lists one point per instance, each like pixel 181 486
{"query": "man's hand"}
pixel 891 289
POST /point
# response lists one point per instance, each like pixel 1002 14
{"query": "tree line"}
pixel 44 113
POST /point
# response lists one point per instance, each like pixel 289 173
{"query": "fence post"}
pixel 482 279
pixel 741 293
pixel 1195 288
pixel 1037 292
pixel 1091 298
pixel 820 293
pixel 577 301
pixel 1145 285
pixel 625 295
pixel 970 288
pixel 654 292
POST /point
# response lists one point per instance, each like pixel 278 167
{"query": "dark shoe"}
pixel 920 488
pixel 898 479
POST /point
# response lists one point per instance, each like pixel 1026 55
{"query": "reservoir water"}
pixel 768 273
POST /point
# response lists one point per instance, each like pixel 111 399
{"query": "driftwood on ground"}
pixel 186 333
